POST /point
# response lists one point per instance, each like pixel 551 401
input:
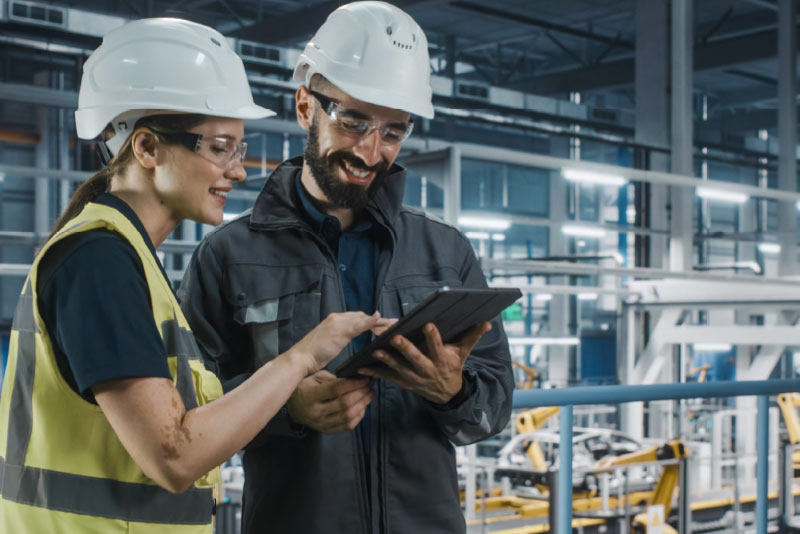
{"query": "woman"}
pixel 106 419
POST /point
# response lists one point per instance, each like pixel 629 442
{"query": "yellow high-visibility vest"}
pixel 62 466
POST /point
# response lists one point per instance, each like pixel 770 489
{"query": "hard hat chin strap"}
pixel 123 126
pixel 104 153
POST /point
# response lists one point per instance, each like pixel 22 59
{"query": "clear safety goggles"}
pixel 223 152
pixel 356 123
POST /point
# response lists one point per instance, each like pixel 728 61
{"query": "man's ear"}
pixel 304 107
pixel 145 147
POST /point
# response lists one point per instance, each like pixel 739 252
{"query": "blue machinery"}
pixel 569 397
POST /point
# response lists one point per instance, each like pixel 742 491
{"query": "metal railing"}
pixel 569 397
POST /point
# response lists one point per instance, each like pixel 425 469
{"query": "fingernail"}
pixel 396 342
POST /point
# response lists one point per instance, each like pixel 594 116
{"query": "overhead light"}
pixel 528 341
pixel 477 235
pixel 498 237
pixel 484 223
pixel 587 296
pixel 544 297
pixel 769 248
pixel 582 231
pixel 713 347
pixel 589 177
pixel 723 196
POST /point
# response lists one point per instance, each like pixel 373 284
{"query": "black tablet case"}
pixel 452 310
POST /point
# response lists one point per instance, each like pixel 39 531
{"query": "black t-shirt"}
pixel 94 301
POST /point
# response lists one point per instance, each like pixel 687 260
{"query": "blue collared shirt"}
pixel 356 251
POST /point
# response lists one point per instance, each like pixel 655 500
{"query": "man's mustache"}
pixel 358 163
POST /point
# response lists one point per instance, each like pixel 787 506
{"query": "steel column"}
pixel 787 134
pixel 762 450
pixel 564 519
pixel 682 136
pixel 452 186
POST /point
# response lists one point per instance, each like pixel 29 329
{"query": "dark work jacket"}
pixel 259 283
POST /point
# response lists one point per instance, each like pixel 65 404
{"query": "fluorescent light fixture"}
pixel 769 248
pixel 713 347
pixel 498 237
pixel 577 230
pixel 544 297
pixel 587 296
pixel 590 177
pixel 528 341
pixel 723 196
pixel 484 223
pixel 477 235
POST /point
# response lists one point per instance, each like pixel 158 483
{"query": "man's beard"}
pixel 340 194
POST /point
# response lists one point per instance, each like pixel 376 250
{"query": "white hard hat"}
pixel 374 52
pixel 164 64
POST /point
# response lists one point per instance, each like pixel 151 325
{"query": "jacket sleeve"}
pixel 223 342
pixel 483 407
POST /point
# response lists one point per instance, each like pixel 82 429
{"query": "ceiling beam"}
pixel 518 18
pixel 741 97
pixel 713 55
pixel 298 25
pixel 746 121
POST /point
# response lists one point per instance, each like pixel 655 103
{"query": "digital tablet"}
pixel 452 310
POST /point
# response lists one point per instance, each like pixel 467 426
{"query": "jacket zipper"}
pixel 379 448
pixel 366 499
pixel 360 459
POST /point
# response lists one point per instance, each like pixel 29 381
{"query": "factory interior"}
pixel 630 165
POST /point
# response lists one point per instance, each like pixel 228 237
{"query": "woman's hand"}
pixel 330 337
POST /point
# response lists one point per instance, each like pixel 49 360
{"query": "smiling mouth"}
pixel 354 174
pixel 218 192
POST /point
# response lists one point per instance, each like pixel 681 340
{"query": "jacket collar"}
pixel 278 204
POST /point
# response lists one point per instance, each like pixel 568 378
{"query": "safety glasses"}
pixel 223 152
pixel 356 123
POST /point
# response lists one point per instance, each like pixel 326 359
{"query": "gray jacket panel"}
pixel 259 283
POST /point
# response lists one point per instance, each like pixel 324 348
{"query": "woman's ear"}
pixel 304 107
pixel 145 147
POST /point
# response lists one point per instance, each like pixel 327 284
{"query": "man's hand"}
pixel 436 376
pixel 329 404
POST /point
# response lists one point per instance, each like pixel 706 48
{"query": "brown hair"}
pixel 319 82
pixel 100 182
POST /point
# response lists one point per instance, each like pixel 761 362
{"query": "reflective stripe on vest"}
pixel 20 422
pixel 89 495
pixel 103 497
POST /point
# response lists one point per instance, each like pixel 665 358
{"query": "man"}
pixel 328 233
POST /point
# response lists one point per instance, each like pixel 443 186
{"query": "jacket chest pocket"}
pixel 277 305
pixel 411 293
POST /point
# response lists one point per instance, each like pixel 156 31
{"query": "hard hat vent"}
pixel 401 45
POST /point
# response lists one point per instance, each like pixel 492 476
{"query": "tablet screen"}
pixel 452 310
